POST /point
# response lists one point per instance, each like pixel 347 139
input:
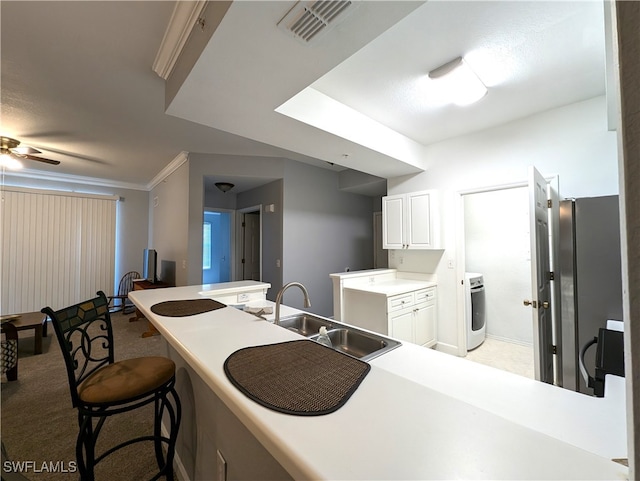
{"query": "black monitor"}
pixel 150 265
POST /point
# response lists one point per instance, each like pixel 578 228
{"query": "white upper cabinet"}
pixel 408 221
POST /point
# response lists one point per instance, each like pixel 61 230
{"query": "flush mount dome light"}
pixel 458 83
pixel 224 186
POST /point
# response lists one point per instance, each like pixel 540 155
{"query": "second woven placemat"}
pixel 296 377
pixel 187 307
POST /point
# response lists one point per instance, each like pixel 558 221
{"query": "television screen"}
pixel 149 265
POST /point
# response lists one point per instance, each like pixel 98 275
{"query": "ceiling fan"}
pixel 11 154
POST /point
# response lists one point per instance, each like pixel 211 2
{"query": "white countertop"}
pixel 392 287
pixel 231 287
pixel 419 414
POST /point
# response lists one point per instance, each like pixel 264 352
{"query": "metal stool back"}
pixel 101 387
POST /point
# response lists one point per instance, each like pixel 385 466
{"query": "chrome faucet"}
pixel 307 302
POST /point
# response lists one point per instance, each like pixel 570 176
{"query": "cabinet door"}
pixel 425 324
pixel 402 325
pixel 419 229
pixel 393 222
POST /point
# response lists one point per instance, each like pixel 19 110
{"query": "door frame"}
pixel 552 183
pixel 240 239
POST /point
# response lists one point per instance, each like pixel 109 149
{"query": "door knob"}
pixel 527 302
pixel 545 304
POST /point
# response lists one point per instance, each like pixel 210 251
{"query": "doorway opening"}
pixel 508 237
pixel 216 246
pixel 250 243
pixel 498 248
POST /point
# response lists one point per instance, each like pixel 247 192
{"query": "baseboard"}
pixel 447 348
pixel 511 341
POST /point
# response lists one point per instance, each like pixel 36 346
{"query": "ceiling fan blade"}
pixel 40 159
pixel 25 150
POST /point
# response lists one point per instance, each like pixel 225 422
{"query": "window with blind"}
pixel 57 248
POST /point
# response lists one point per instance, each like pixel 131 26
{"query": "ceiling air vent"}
pixel 308 21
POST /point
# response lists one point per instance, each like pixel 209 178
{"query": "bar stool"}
pixel 101 387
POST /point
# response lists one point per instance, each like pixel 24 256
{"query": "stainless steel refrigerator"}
pixel 590 279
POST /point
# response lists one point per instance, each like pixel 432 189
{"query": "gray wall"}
pixel 214 198
pixel 628 17
pixel 316 228
pixel 325 231
pixel 272 235
pixel 168 211
pixel 201 165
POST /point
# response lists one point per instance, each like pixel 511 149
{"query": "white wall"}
pixel 497 245
pixel 572 142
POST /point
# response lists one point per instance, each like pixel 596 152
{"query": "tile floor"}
pixel 508 356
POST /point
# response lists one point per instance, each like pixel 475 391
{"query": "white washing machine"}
pixel 475 316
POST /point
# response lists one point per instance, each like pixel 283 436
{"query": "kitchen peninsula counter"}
pixel 418 414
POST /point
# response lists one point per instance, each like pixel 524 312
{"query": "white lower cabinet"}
pixel 409 317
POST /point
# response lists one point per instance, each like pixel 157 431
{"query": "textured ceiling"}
pixel 79 86
pixel 534 56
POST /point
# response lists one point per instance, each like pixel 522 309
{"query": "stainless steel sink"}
pixel 305 324
pixel 350 340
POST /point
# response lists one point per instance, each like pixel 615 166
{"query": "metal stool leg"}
pixel 175 417
pixel 85 447
pixel 164 405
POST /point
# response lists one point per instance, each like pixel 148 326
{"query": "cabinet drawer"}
pixel 426 295
pixel 399 302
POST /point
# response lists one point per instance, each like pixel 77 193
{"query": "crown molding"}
pixel 184 17
pixel 180 159
pixel 76 179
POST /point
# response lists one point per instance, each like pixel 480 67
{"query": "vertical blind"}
pixel 58 248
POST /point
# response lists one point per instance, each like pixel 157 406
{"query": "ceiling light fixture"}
pixel 224 186
pixel 458 83
pixel 9 161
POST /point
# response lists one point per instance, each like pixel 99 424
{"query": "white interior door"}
pixel 540 277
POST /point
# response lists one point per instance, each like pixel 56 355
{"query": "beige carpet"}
pixel 39 424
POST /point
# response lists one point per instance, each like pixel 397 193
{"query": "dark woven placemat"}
pixel 188 307
pixel 296 377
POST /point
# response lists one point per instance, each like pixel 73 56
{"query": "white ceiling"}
pixel 77 82
pixel 534 56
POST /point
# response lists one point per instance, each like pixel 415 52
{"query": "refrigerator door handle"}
pixel 583 369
